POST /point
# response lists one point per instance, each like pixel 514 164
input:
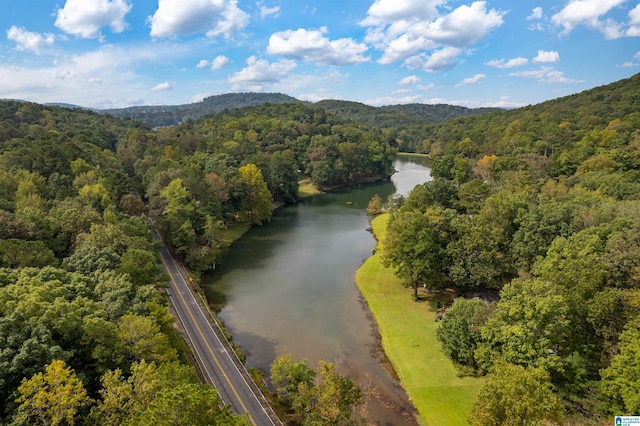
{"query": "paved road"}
pixel 212 356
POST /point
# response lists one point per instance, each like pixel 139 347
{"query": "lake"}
pixel 288 288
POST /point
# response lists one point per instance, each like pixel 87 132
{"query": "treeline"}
pixel 172 115
pixel 85 335
pixel 398 117
pixel 204 178
pixel 542 204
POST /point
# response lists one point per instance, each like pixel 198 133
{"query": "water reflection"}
pixel 288 287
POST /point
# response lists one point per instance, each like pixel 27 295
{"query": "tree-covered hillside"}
pixel 404 121
pixel 85 334
pixel 543 204
pixel 397 116
pixel 201 178
pixel 170 115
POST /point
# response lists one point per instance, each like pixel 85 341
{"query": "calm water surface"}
pixel 288 288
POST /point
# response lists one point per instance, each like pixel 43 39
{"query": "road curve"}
pixel 216 363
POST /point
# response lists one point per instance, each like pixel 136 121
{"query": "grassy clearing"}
pixel 233 232
pixel 408 331
pixel 306 188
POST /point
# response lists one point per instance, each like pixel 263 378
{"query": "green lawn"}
pixel 408 331
pixel 306 188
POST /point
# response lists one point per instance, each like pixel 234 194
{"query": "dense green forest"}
pixel 170 115
pixel 233 168
pixel 540 204
pixel 85 332
pixel 398 116
pixel 406 120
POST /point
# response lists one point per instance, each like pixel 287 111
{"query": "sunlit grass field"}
pixel 306 188
pixel 408 331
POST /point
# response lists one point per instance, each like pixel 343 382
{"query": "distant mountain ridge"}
pixel 385 116
pixel 170 115
pixel 398 115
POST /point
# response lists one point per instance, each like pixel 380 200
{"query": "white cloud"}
pixel 102 78
pixel 427 87
pixel 634 22
pixel 464 26
pixel 439 60
pixel 412 79
pixel 219 62
pixel 183 17
pixel 545 57
pixel 259 73
pixel 395 100
pixel 26 40
pixel 471 80
pixel 404 46
pixel 536 13
pixel 545 75
pixel 268 11
pixel 629 64
pixel 312 46
pixel 85 18
pixel 407 30
pixel 511 63
pixel 389 11
pixel 588 13
pixel 161 86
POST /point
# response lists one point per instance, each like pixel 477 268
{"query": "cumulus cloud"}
pixel 85 18
pixel 268 11
pixel 412 79
pixel 102 78
pixel 388 11
pixel 217 63
pixel 407 30
pixel 184 17
pixel 536 13
pixel 634 22
pixel 545 75
pixel 439 60
pixel 312 46
pixel 28 41
pixel 471 80
pixel 161 86
pixel 589 14
pixel 259 73
pixel 510 63
pixel 546 57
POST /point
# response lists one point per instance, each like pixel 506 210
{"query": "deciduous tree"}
pixel 51 398
pixel 256 204
pixel 514 395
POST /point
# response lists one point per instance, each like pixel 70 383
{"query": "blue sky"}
pixel 505 53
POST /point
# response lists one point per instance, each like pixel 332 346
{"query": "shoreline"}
pixel 408 339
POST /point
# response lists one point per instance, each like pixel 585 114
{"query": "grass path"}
pixel 408 331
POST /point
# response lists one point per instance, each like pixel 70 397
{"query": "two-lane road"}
pixel 212 356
